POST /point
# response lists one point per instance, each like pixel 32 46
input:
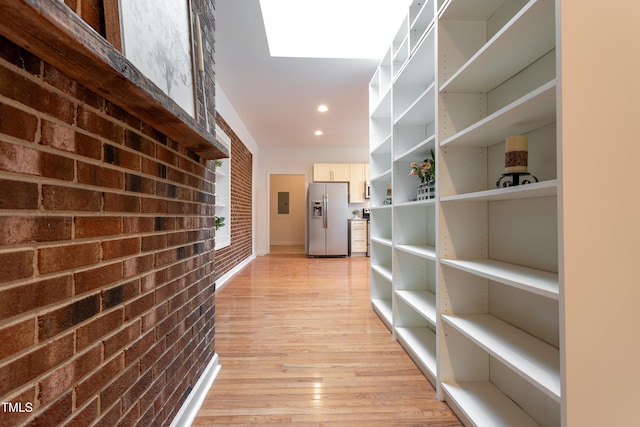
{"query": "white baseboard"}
pixel 221 281
pixel 192 404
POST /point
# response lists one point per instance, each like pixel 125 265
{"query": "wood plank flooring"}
pixel 300 346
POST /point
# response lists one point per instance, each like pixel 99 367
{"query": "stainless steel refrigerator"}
pixel 327 219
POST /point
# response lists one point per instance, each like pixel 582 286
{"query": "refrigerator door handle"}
pixel 325 201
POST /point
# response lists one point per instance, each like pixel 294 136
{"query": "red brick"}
pixel 152 167
pixel 154 206
pixel 167 156
pixel 122 338
pixel 138 348
pixel 139 143
pixel 85 417
pixel 99 176
pixel 65 138
pixel 55 414
pixel 28 229
pixel 98 327
pixel 136 225
pixel 97 226
pixel 98 125
pixel 139 184
pixel 112 249
pixel 110 417
pixel 34 95
pixel 17 337
pixel 121 203
pixel 54 322
pixel 35 363
pixel 92 385
pixel 19 57
pixel 177 208
pixel 166 257
pixel 99 277
pixel 12 419
pixel 29 161
pixel 120 294
pixel 25 298
pixel 16 265
pixel 123 158
pixel 60 258
pixel 138 306
pixel 17 123
pixel 56 78
pixel 68 374
pixel 138 265
pixel 119 385
pixel 56 198
pixel 154 242
pixel 18 195
pixel 132 396
pixel 154 317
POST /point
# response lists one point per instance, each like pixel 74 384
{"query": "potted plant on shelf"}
pixel 219 221
pixel 356 213
pixel 426 172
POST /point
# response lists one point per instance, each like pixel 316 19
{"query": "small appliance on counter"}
pixel 366 213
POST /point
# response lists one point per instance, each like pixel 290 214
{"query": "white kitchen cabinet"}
pixel 358 238
pixel 331 172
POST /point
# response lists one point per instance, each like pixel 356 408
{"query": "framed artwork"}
pixel 155 35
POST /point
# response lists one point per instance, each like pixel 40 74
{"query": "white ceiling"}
pixel 277 98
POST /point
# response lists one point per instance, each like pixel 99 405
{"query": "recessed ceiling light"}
pixel 323 108
pixel 331 28
pixel 318 133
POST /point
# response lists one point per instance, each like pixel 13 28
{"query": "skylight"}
pixel 331 28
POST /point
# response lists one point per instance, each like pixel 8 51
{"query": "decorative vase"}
pixel 426 190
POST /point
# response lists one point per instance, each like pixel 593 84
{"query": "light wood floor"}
pixel 299 345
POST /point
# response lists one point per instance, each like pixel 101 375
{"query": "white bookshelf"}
pixel 471 278
pixel 403 232
pixel 525 304
pixel 498 282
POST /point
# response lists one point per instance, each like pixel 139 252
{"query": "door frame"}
pixel 268 203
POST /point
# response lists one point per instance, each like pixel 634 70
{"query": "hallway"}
pixel 299 345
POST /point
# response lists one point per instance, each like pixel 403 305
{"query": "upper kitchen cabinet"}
pixel 331 172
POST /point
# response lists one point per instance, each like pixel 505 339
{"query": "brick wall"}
pixel 106 260
pixel 241 203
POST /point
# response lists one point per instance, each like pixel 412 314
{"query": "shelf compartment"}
pixel 422 111
pixel 380 131
pixel 534 360
pixel 420 343
pixel 424 302
pixel 420 151
pixel 384 271
pixel 482 404
pixel 382 109
pixel 383 308
pixel 421 14
pixel 539 282
pixel 422 251
pixel 414 226
pixel 383 176
pixel 530 112
pixel 528 191
pixel 381 241
pixel 420 67
pixel 526 37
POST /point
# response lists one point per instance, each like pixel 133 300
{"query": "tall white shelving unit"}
pixel 468 282
pixel 403 230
